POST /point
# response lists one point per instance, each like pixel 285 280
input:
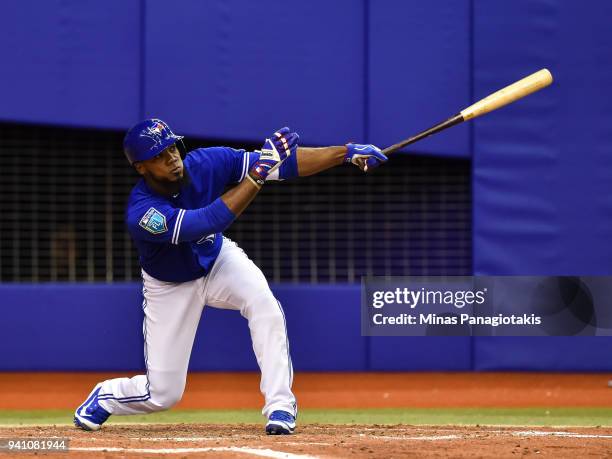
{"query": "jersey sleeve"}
pixel 162 223
pixel 229 165
pixel 240 160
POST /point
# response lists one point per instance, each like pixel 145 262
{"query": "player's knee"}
pixel 167 397
pixel 261 302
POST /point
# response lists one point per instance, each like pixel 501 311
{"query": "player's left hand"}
pixel 275 150
pixel 366 157
pixel 281 145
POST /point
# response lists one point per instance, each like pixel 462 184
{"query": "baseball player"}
pixel 176 215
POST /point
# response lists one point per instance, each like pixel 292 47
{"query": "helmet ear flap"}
pixel 180 144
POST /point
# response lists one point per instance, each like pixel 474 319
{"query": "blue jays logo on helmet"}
pixel 148 139
pixel 154 132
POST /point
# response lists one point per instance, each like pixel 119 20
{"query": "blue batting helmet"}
pixel 148 139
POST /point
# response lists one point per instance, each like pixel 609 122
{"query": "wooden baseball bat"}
pixel 504 96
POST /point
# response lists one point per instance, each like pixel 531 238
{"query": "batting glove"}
pixel 366 157
pixel 275 150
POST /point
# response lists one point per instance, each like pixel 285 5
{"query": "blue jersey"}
pixel 179 238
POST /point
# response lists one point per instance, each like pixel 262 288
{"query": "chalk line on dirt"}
pixel 188 439
pixel 417 438
pixel 234 449
pixel 540 433
pixel 196 439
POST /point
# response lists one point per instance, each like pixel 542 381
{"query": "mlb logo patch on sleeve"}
pixel 154 221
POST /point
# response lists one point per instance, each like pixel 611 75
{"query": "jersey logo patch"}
pixel 209 239
pixel 154 221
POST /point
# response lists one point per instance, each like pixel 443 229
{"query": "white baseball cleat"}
pixel 280 423
pixel 90 415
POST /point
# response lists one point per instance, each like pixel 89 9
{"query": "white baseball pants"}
pixel 172 313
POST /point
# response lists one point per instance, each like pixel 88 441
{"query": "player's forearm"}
pixel 314 160
pixel 238 198
pixel 215 217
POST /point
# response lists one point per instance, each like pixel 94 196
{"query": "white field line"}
pixel 527 433
pixel 242 437
pixel 187 439
pixel 421 438
pixel 234 449
pixel 539 433
pixel 296 443
pixel 501 433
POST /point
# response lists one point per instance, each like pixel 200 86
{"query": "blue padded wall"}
pixel 324 326
pixel 99 327
pixel 419 72
pixel 431 353
pixel 237 70
pixel 552 353
pixel 71 62
pixel 63 327
pixel 71 327
pixel 542 168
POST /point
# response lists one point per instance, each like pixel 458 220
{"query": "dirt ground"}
pixel 22 391
pixel 325 441
pixel 329 390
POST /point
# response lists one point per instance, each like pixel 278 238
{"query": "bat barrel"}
pixel 509 94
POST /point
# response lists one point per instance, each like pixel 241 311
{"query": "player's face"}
pixel 165 167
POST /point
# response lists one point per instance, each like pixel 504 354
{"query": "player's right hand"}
pixel 366 157
pixel 275 150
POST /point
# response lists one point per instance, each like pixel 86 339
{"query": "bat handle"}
pixel 397 146
pixel 452 121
